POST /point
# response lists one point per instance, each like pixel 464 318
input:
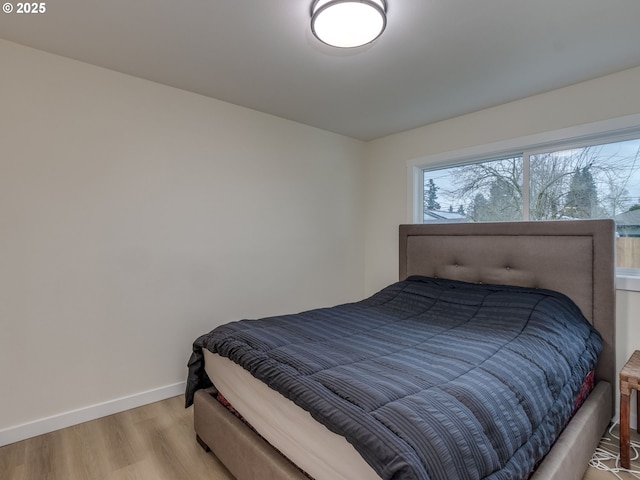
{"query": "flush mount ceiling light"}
pixel 348 23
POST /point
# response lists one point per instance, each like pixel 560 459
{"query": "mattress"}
pixel 316 450
pixel 320 453
pixel 429 378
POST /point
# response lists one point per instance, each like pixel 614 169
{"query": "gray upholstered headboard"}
pixel 574 257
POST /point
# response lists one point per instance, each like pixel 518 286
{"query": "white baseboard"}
pixel 91 412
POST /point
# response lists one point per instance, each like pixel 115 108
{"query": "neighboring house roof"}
pixel 437 216
pixel 628 218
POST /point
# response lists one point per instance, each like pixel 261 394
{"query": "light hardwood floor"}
pixel 154 442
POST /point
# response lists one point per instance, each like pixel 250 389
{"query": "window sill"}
pixel 628 282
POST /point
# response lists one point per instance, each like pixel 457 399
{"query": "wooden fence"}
pixel 628 252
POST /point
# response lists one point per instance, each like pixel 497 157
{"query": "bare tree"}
pixel 493 190
pixel 613 183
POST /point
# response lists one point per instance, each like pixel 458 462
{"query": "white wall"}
pixel 135 216
pixel 386 172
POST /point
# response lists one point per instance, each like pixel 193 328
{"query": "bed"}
pixel 574 258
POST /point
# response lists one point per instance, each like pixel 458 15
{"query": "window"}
pixel 593 176
pixel 479 192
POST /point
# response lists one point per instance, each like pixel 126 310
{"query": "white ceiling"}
pixel 437 58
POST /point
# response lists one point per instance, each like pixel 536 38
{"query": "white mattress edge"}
pixel 292 430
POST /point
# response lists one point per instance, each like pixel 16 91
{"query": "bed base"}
pixel 248 456
pixel 245 453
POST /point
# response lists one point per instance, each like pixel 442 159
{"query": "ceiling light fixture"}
pixel 348 23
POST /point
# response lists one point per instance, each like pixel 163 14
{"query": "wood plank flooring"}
pixel 610 444
pixel 154 442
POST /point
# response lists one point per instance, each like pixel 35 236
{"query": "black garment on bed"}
pixel 429 378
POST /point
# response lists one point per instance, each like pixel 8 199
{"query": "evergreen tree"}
pixel 480 209
pixel 582 198
pixel 431 196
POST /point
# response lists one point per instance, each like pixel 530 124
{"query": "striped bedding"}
pixel 429 378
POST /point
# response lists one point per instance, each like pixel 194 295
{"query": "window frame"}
pixel 606 131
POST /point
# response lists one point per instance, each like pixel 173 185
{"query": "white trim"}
pixel 619 127
pixel 628 282
pixel 414 203
pixel 92 412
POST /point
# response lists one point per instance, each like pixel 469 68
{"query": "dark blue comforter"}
pixel 429 378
